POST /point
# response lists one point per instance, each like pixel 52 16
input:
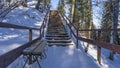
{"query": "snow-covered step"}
pixel 61 28
pixel 59 41
pixel 57 33
pixel 59 44
pixel 57 38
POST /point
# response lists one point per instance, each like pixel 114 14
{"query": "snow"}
pixel 57 56
pixel 105 61
pixel 92 53
pixel 61 57
pixel 67 57
pixel 24 16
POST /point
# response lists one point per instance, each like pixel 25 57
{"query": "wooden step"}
pixel 59 44
pixel 56 33
pixel 57 36
pixel 59 41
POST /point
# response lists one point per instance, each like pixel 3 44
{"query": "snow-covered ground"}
pixel 57 57
pixel 24 16
pixel 67 57
pixel 92 51
pixel 105 61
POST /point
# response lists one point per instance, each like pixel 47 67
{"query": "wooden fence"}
pixel 98 43
pixel 12 55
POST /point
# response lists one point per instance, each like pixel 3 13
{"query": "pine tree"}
pixel 38 4
pixel 61 6
pixel 106 22
pixel 114 13
pixel 110 21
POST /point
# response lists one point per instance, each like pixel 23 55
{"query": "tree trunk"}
pixel 38 4
pixel 24 3
pixel 114 13
pixel 73 10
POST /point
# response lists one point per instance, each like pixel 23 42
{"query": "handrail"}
pixel 99 44
pixel 118 29
pixel 7 25
pixel 43 25
pixel 114 48
pixel 69 21
pixel 12 55
pixel 69 24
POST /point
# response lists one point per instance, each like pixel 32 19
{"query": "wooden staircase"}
pixel 56 33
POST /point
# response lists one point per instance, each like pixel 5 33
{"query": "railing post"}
pixel 77 39
pixel 40 32
pixel 70 30
pixel 30 35
pixel 99 48
pixel 43 29
pixel 77 35
pixel 30 59
pixel 30 39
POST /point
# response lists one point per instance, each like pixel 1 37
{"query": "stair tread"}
pixel 57 36
pixel 59 40
pixel 56 33
pixel 60 44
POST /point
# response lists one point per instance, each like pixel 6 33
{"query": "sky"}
pixel 54 4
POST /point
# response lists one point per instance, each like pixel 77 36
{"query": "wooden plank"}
pixel 118 29
pixel 112 47
pixel 28 50
pixel 109 46
pixel 12 55
pixel 99 48
pixel 99 54
pixel 30 35
pixel 60 44
pixel 7 25
pixel 40 48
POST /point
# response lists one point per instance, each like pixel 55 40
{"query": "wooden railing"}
pixel 12 55
pixel 98 43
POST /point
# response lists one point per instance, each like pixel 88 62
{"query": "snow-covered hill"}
pixel 24 16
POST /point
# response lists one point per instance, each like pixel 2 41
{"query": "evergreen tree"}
pixel 114 10
pixel 110 21
pixel 61 6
